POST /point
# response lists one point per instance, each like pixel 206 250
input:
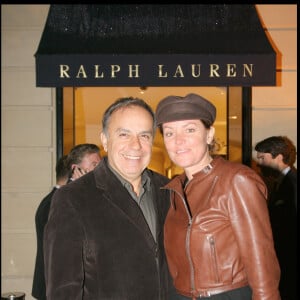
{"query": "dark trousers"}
pixel 243 293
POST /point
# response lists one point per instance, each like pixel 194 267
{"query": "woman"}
pixel 218 238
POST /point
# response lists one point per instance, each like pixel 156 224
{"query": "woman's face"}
pixel 187 144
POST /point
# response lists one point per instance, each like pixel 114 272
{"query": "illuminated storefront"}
pixel 88 51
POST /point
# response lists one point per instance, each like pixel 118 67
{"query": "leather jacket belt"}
pixel 210 292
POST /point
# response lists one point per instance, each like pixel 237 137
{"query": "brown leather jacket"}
pixel 220 238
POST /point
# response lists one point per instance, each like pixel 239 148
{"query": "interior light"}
pixel 143 89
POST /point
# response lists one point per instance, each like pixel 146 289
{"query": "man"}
pixel 279 153
pixel 41 217
pixel 82 159
pixel 104 237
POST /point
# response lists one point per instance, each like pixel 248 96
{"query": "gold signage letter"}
pixel 231 70
pixel 160 72
pixel 213 70
pixel 81 72
pixel 178 71
pixel 97 75
pixel 198 70
pixel 63 71
pixel 135 71
pixel 114 69
pixel 249 69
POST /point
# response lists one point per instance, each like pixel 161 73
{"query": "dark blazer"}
pixel 98 244
pixel 291 182
pixel 283 217
pixel 41 218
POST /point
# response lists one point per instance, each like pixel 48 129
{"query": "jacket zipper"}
pixel 188 252
pixel 187 243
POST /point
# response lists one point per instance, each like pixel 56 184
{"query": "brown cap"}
pixel 190 107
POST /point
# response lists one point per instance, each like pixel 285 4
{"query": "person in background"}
pixel 104 236
pixel 279 153
pixel 270 176
pixel 218 238
pixel 41 217
pixel 82 159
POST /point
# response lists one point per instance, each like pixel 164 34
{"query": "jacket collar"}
pixel 179 182
pixel 115 192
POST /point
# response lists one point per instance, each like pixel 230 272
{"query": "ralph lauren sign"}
pixel 154 45
pixel 155 70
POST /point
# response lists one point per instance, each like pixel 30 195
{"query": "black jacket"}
pixel 98 244
pixel 41 218
pixel 283 217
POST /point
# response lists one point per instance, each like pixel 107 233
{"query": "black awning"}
pixel 154 45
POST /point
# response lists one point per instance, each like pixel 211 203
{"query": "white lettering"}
pixel 135 71
pixel 160 72
pixel 213 70
pixel 231 70
pixel 81 71
pixel 178 71
pixel 63 71
pixel 249 69
pixel 198 69
pixel 97 75
pixel 114 69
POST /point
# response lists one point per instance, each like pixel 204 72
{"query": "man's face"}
pixel 89 162
pixel 266 159
pixel 129 141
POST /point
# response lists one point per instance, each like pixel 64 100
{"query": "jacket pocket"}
pixel 213 255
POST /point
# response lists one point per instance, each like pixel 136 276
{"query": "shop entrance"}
pixel 82 109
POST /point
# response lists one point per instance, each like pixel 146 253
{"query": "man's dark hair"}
pixel 276 145
pixel 79 151
pixel 122 103
pixel 61 169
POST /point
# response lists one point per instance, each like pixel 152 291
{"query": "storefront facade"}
pixel 29 121
pixel 158 47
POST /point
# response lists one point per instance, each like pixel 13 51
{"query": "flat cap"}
pixel 190 107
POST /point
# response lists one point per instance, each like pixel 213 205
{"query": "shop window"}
pixel 83 108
